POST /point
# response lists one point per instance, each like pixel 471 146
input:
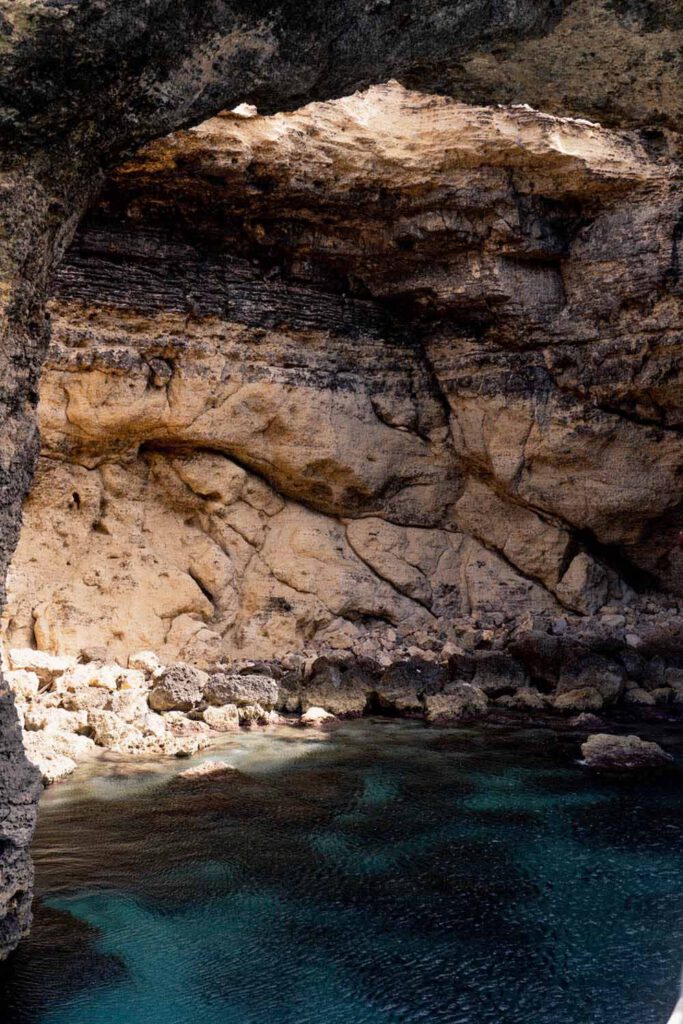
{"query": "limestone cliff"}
pixel 361 368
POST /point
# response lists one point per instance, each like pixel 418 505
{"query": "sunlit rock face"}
pixel 363 367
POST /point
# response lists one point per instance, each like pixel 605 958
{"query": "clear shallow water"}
pixel 388 874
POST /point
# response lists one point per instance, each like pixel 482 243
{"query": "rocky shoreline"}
pixel 624 664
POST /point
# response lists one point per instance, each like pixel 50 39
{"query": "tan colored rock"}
pixel 145 661
pixel 110 731
pixel 180 688
pixel 24 684
pixel 42 663
pixel 251 715
pixel 584 698
pixel 52 766
pixel 38 717
pixel 222 719
pixel 223 688
pixel 603 751
pixel 206 769
pixel 639 697
pixel 462 701
pixel 524 699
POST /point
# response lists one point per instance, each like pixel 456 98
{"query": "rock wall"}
pixel 84 81
pixel 358 371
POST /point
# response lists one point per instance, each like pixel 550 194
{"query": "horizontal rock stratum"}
pixel 366 367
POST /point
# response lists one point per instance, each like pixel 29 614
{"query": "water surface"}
pixel 386 874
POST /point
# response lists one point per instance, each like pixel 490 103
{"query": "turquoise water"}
pixel 386 874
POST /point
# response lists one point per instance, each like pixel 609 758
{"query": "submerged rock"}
pixel 604 751
pixel 207 769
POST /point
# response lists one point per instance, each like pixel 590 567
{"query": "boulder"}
pixel 110 731
pixel 584 699
pixel 182 746
pixel 316 717
pixel 40 718
pixel 222 719
pixel 105 677
pixel 592 672
pixel 85 700
pixel 73 745
pixel 223 688
pixel 458 701
pixel 498 673
pixel 341 687
pixel 603 751
pixel 153 724
pixel 525 699
pixel 178 724
pixel 179 688
pixel 402 684
pixel 130 705
pixel 23 684
pixel 639 697
pixel 251 715
pixel 51 765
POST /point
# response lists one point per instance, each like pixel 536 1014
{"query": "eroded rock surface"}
pixel 364 368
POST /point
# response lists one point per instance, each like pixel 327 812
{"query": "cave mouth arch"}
pixel 81 85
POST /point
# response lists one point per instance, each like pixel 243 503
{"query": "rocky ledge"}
pixel 544 672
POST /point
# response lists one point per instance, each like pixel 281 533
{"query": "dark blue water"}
pixel 389 874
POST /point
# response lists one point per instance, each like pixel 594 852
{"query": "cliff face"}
pixel 421 362
pixel 367 367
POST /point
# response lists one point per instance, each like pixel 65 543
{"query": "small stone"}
pixel 613 621
pixel 146 662
pixel 586 721
pixel 251 715
pixel 316 717
pixel 206 768
pixel 633 640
